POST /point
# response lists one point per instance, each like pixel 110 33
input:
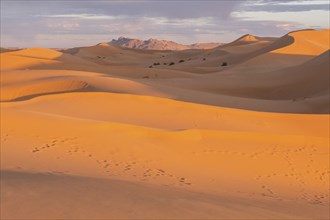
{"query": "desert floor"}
pixel 101 132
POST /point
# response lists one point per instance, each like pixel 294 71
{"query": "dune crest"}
pixel 247 38
pixel 307 42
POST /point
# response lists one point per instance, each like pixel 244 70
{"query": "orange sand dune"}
pixel 240 131
pixel 271 167
pixel 295 49
pixel 145 110
pixel 22 85
pixel 308 42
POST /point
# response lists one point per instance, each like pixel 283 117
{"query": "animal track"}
pixel 320 199
pixel 151 174
pixel 52 144
pixel 4 137
pixel 267 191
pixel 184 181
pixel 292 156
pixel 297 174
pixel 109 164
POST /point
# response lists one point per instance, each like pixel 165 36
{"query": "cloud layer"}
pixel 61 23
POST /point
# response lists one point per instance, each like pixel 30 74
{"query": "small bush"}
pixel 165 63
pixel 150 66
pixel 171 63
pixel 204 59
pixel 146 77
pixel 224 64
pixel 181 61
pixel 156 64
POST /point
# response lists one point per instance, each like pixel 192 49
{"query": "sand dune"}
pixel 290 50
pixel 250 96
pixel 92 148
pixel 308 42
pixel 307 80
pixel 240 131
pixel 146 111
pixel 38 58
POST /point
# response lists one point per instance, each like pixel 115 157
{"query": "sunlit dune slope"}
pixel 146 111
pixel 267 167
pixel 307 42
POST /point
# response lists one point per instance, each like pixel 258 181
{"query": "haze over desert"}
pixel 155 129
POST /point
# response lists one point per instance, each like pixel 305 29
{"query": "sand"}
pixel 95 133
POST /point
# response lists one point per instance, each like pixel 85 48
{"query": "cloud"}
pixel 303 19
pixel 118 29
pixel 202 21
pixel 64 26
pixel 285 5
pixel 83 16
pixel 286 26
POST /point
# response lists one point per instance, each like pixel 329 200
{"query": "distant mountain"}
pixel 154 44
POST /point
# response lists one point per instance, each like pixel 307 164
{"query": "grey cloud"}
pixel 284 5
pixel 173 9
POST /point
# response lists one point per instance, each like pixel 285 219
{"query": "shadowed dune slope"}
pixel 123 200
pixel 309 79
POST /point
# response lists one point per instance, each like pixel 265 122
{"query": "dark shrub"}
pixel 181 61
pixel 204 59
pixel 156 64
pixel 224 64
pixel 165 63
pixel 171 63
pixel 146 77
pixel 150 66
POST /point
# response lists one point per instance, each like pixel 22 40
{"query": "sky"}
pixel 72 23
